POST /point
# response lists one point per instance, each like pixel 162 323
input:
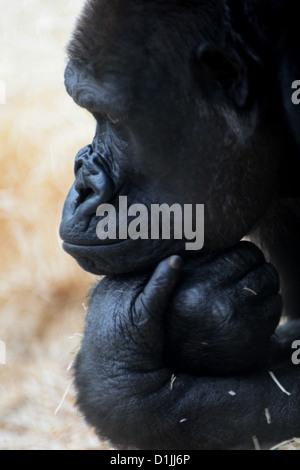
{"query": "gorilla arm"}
pixel 131 398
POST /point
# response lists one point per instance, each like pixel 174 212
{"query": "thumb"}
pixel 153 300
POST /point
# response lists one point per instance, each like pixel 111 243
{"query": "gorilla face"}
pixel 177 120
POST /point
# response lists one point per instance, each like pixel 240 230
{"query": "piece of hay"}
pixel 268 416
pixel 250 290
pixel 173 378
pixel 256 443
pixel 278 383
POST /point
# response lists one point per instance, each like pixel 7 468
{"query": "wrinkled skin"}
pixel 188 112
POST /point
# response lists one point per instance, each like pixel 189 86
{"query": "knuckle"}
pixel 271 275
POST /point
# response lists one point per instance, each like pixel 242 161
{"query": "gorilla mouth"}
pixel 94 259
pixel 78 230
pixel 120 222
pixel 78 244
pixel 123 256
pixel 79 222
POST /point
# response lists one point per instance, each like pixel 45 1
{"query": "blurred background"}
pixel 42 290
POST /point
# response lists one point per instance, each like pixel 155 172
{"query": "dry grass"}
pixel 292 444
pixel 41 288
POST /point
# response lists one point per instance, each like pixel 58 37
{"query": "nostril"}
pixel 93 183
pixel 77 166
pixel 93 189
pixel 83 195
pixel 83 188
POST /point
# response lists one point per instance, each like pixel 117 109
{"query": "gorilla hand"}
pixel 127 393
pixel 223 314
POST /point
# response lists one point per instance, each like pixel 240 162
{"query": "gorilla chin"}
pixel 122 257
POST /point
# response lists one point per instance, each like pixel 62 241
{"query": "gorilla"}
pixel 192 102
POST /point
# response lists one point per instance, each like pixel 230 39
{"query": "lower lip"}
pixel 90 250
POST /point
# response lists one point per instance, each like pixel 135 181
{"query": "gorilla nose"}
pixel 92 183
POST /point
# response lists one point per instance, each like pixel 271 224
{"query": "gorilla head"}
pixel 185 114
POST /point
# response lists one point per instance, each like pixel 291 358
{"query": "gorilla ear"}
pixel 218 65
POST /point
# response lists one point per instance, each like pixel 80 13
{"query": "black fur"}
pixel 133 398
pixel 193 105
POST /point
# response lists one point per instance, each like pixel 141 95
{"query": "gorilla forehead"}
pixel 120 32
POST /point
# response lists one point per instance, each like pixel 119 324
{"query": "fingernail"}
pixel 175 262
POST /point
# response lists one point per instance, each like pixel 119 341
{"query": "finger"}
pixel 228 266
pixel 261 282
pixel 156 295
pixel 242 259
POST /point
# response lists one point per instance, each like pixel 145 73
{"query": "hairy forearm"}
pixel 156 410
